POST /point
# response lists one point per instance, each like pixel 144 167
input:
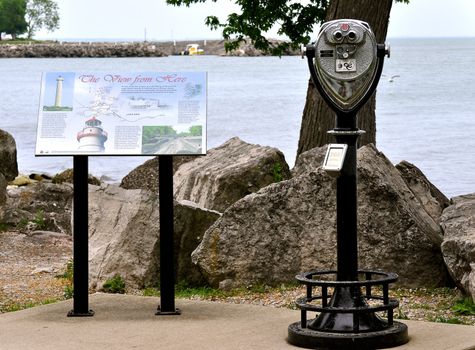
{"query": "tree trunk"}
pixel 317 117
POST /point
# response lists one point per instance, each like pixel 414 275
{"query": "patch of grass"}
pixel 185 290
pixel 151 292
pixel 465 307
pixel 203 292
pixel 22 41
pixel 21 306
pixel 115 285
pixel 451 320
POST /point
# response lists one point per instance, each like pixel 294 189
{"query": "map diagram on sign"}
pixel 112 114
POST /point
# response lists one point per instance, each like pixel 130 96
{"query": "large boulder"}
pixel 125 236
pixel 430 197
pixel 8 163
pixel 228 173
pixel 458 248
pixel 289 227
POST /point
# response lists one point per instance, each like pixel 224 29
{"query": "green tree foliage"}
pixel 154 132
pixel 41 14
pixel 12 17
pixel 196 130
pixel 294 19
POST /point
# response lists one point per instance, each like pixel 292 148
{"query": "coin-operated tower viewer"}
pixel 346 63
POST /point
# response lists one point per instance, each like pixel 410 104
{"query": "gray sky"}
pixel 153 18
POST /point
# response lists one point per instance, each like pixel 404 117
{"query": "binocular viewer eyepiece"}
pixel 345 62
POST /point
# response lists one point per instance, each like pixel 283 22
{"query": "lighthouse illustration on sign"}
pixel 92 137
pixel 59 91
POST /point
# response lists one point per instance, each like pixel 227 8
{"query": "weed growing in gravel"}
pixel 277 172
pixel 22 224
pixel 68 291
pixel 464 307
pixel 400 314
pixel 5 227
pixel 39 220
pixel 37 223
pixel 114 285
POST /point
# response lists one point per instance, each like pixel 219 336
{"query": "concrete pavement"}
pixel 129 322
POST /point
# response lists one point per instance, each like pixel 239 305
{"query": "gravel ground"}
pixel 434 305
pixel 30 266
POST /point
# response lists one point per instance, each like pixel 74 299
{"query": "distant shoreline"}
pixel 119 49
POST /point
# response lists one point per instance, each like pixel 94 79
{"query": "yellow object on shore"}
pixel 192 49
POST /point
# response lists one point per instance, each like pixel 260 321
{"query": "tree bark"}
pixel 317 117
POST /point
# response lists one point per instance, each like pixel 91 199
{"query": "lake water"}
pixel 425 116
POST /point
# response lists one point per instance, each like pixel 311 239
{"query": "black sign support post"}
pixel 81 238
pixel 167 266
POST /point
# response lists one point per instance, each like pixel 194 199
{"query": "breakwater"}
pixel 81 49
pixel 123 49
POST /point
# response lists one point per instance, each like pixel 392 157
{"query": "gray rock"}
pixel 309 161
pixel 125 238
pixel 39 206
pixel 3 193
pixel 229 173
pixel 289 227
pixel 433 201
pixel 190 223
pixel 8 161
pixel 458 248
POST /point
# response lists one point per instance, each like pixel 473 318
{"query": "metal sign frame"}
pixel 168 107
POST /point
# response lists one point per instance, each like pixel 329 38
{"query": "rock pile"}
pixel 274 223
pixel 123 49
pixel 127 49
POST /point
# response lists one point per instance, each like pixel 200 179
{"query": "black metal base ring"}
pixel 168 313
pixel 393 336
pixel 72 313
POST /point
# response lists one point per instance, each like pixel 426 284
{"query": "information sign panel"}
pixel 110 113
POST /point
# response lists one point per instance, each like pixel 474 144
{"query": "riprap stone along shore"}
pixel 243 218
